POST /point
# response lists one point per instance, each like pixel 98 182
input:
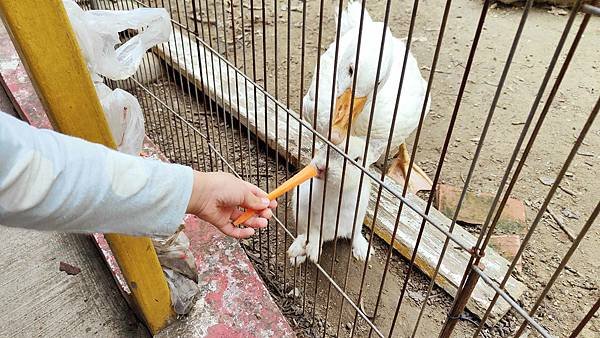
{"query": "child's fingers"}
pixel 233 231
pixel 254 222
pixel 266 213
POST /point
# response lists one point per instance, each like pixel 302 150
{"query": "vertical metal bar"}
pixel 331 105
pixel 586 319
pixel 303 47
pixel 361 180
pixel 287 136
pixel 443 153
pixel 256 140
pixel 228 77
pixel 192 37
pixel 209 57
pixel 185 82
pixel 413 154
pixel 196 91
pixel 207 102
pixel 237 89
pixel 276 63
pixel 266 119
pixel 246 90
pixel 150 102
pixel 316 109
pixel 162 123
pixel 167 120
pixel 180 157
pixel 389 141
pixel 244 67
pixel 172 121
pixel 346 147
pixel 222 129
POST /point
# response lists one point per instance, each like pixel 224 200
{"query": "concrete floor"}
pixel 38 300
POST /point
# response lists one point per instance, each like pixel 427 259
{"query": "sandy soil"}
pixel 576 289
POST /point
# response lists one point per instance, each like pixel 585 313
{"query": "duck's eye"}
pixel 356 158
pixel 351 70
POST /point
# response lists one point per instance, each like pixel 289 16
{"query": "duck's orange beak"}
pixel 341 116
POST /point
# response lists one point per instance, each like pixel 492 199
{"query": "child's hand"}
pixel 216 197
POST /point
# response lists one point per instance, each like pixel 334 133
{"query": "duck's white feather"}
pixel 411 98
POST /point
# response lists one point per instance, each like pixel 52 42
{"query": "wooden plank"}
pixel 236 94
pixel 42 34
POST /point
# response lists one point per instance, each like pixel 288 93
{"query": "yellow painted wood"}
pixel 42 34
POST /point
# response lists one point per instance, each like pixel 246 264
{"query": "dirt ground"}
pixel 576 289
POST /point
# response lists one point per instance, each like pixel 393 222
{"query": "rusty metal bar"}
pixel 586 319
pixel 512 303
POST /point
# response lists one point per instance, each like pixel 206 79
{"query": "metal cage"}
pixel 223 95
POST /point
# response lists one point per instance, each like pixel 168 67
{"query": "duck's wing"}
pixel 324 98
pixel 410 105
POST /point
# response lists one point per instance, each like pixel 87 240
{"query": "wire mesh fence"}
pixel 228 93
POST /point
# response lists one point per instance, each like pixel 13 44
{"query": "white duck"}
pixel 411 99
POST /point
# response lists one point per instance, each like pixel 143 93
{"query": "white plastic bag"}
pixel 98 33
pixel 125 118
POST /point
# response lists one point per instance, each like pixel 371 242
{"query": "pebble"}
pixel 546 180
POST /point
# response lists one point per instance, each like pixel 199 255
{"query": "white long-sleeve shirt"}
pixel 50 181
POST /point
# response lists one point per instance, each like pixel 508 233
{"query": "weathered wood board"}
pixel 236 94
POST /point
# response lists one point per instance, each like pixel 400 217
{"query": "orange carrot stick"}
pixel 303 175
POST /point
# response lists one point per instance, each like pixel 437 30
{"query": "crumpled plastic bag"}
pixel 174 253
pixel 183 291
pixel 97 32
pixel 179 267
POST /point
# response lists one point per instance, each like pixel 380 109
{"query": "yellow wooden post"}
pixel 42 34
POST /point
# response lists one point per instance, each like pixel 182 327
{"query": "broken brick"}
pixel 476 207
pixel 507 246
